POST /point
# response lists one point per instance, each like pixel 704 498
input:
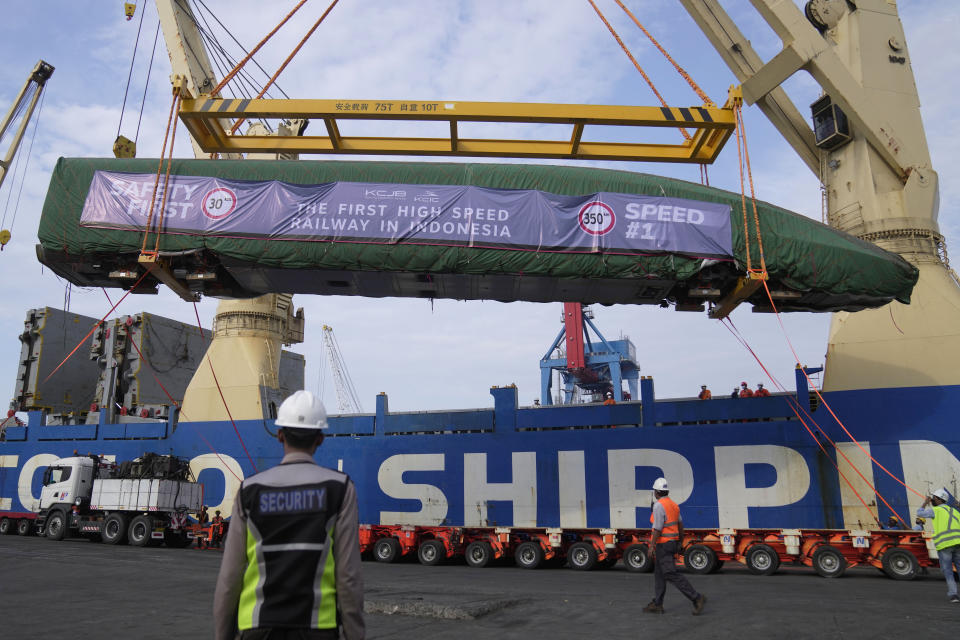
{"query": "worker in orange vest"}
pixel 705 393
pixel 745 391
pixel 609 399
pixel 760 392
pixel 665 539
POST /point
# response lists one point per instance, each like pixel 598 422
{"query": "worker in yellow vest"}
pixel 665 538
pixel 946 536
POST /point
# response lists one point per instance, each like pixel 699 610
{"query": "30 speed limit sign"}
pixel 219 203
pixel 596 218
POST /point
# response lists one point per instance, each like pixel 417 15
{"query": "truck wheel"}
pixel 386 550
pixel 717 567
pixel 637 559
pixel 582 556
pixel 431 553
pixel 829 562
pixel 140 529
pixel 762 560
pixel 528 555
pixel 24 527
pixel 479 554
pixel 114 529
pixel 900 564
pixel 56 526
pixel 6 526
pixel 699 558
pixel 176 539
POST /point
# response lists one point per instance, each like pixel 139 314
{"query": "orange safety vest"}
pixel 671 526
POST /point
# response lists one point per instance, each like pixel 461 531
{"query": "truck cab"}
pixel 68 481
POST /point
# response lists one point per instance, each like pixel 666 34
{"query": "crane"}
pixel 33 88
pixel 348 400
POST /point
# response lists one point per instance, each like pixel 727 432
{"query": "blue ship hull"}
pixel 731 463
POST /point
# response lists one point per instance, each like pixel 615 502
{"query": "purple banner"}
pixel 421 214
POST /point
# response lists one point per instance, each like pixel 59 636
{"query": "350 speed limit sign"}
pixel 596 218
pixel 219 203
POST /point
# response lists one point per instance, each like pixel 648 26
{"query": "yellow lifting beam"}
pixel 710 128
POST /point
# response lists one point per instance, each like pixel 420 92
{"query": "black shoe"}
pixel 653 607
pixel 698 604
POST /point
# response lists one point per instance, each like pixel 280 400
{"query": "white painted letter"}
pixel 434 505
pixel 6 504
pixel 232 477
pixel 624 495
pixel 928 465
pixel 573 490
pixel 25 486
pixel 522 491
pixel 733 495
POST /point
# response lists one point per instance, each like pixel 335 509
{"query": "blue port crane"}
pixel 595 366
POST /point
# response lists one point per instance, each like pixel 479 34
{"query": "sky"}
pixel 442 354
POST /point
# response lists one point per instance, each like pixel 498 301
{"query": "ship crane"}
pixel 348 400
pixel 588 366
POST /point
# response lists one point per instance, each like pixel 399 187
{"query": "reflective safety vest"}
pixel 671 525
pixel 290 580
pixel 946 527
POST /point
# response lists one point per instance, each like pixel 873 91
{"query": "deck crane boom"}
pixel 869 150
pixel 348 400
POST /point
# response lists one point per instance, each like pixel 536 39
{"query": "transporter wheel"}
pixel 528 555
pixel 139 533
pixel 6 526
pixel 176 539
pixel 900 564
pixel 24 527
pixel 608 563
pixel 479 554
pixel 386 550
pixel 114 529
pixel 717 567
pixel 829 562
pixel 582 556
pixel 699 558
pixel 56 526
pixel 431 553
pixel 637 558
pixel 762 560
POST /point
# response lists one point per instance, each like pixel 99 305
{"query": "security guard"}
pixel 291 562
pixel 665 539
pixel 946 536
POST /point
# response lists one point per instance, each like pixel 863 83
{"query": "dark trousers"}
pixel 289 634
pixel 665 570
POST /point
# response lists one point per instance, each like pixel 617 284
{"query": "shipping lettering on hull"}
pixel 572 482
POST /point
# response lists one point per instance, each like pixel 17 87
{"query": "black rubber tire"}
pixel 717 567
pixel 114 529
pixel 56 525
pixel 176 539
pixel 829 562
pixel 387 550
pixel 478 554
pixel 431 553
pixel 6 526
pixel 138 535
pixel 637 558
pixel 699 558
pixel 900 564
pixel 24 527
pixel 582 556
pixel 609 562
pixel 762 560
pixel 529 555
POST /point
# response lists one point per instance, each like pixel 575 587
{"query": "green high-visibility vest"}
pixel 946 527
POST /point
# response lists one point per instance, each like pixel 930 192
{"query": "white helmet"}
pixel 942 494
pixel 302 410
pixel 660 484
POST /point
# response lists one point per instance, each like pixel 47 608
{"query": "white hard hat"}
pixel 942 494
pixel 660 484
pixel 302 410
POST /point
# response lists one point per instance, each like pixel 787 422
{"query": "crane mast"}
pixel 38 79
pixel 348 400
pixel 869 151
